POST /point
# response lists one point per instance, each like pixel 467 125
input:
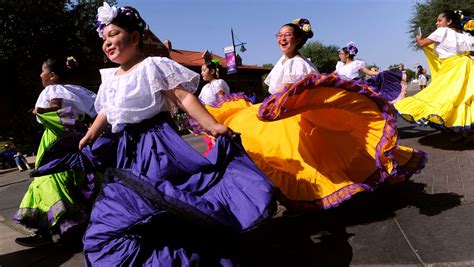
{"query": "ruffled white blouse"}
pixel 349 71
pixel 80 99
pixel 209 91
pixel 135 96
pixel 292 70
pixel 449 42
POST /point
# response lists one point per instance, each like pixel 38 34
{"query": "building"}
pixel 247 79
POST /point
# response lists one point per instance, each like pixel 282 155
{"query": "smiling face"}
pixel 442 21
pixel 343 56
pixel 287 41
pixel 119 45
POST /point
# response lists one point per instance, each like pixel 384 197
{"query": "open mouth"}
pixel 283 43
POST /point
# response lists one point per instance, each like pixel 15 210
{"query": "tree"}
pixel 31 31
pixel 425 15
pixel 323 57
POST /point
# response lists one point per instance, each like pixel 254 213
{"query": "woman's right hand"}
pixel 221 129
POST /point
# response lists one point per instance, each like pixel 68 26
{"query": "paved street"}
pixel 425 222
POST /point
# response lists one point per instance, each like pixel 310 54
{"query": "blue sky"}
pixel 378 27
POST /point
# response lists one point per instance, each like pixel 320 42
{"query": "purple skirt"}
pixel 390 84
pixel 166 205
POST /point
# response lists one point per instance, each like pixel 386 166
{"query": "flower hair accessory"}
pixel 105 15
pixel 467 22
pixel 305 26
pixel 71 62
pixel 216 61
pixel 127 17
pixel 351 48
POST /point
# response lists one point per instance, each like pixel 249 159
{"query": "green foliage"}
pixel 31 31
pixel 393 67
pixel 410 74
pixel 267 65
pixel 323 57
pixel 373 66
pixel 425 14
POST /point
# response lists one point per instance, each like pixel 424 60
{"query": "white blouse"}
pixel 449 42
pixel 80 99
pixel 209 91
pixel 135 96
pixel 349 71
pixel 293 70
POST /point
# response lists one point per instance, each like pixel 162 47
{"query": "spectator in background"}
pixel 421 76
pixel 21 162
pixel 215 88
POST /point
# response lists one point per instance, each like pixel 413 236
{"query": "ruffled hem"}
pixel 433 120
pixel 274 108
pixel 299 181
pixel 56 216
pixel 404 172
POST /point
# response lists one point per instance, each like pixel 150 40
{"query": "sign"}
pixel 230 59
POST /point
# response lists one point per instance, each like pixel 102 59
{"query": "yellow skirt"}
pixel 322 140
pixel 447 100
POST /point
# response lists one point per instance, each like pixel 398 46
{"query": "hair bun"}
pixel 71 62
pixel 305 26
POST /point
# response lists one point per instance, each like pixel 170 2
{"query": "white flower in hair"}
pixel 106 13
pixel 306 27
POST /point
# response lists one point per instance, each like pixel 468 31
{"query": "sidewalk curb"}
pixel 15 227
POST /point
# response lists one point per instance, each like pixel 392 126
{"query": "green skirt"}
pixel 54 202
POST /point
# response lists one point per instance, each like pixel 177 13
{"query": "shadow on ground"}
pixel 414 131
pixel 442 140
pixel 50 255
pixel 321 239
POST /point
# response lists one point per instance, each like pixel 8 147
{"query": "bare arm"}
pixel 220 93
pixel 96 129
pixel 422 42
pixel 369 72
pixel 189 103
pixel 54 104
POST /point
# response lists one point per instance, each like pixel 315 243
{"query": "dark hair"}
pixel 346 51
pixel 211 65
pixel 465 18
pixel 62 68
pixel 129 19
pixel 299 33
pixel 454 18
pixel 419 70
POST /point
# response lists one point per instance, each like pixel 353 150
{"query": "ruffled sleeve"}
pixel 78 98
pixel 135 96
pixel 295 70
pixel 101 99
pixel 166 74
pixel 359 64
pixel 439 35
pixel 218 85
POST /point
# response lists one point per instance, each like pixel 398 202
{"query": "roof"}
pixel 195 58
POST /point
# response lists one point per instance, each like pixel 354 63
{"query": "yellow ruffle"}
pixel 324 150
pixel 447 100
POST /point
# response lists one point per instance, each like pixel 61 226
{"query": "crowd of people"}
pixel 113 167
